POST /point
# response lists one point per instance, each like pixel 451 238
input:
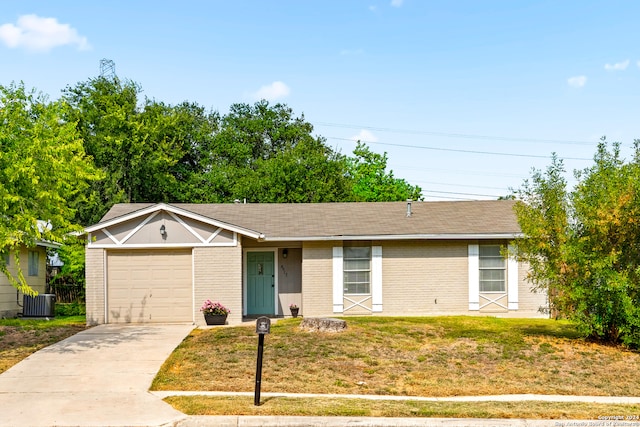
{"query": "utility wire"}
pixel 457 135
pixel 454 150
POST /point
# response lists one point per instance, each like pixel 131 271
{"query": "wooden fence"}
pixel 67 293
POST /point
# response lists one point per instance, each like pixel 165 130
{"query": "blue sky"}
pixel 464 96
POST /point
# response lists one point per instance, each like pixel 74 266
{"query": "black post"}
pixel 256 399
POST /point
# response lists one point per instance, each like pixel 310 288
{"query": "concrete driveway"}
pixel 98 377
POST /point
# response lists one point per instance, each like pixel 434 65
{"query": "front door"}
pixel 260 283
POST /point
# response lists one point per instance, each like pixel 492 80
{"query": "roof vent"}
pixel 408 208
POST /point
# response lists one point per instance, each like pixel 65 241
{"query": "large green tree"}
pixel 149 151
pixel 264 153
pixel 43 173
pixel 373 183
pixel 582 245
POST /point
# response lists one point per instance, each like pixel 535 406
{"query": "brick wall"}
pixel 95 277
pixel 218 277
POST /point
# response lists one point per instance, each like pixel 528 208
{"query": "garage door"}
pixel 149 286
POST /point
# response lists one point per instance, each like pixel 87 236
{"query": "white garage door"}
pixel 149 286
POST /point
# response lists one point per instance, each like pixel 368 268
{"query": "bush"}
pixel 71 309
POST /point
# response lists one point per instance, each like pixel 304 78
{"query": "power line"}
pixel 457 135
pixel 461 194
pixel 454 150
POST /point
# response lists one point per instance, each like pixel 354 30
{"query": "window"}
pixel 34 259
pixel 357 270
pixel 492 269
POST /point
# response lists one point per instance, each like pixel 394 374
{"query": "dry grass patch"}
pixel 443 356
pixel 21 337
pixel 205 405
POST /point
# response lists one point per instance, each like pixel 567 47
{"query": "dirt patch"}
pixel 18 342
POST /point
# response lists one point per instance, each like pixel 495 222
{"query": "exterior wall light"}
pixel 163 231
pixel 285 253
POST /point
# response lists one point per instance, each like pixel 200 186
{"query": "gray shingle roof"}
pixel 334 220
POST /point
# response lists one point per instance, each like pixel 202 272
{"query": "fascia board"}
pixel 484 236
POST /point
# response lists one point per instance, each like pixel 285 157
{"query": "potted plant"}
pixel 294 309
pixel 214 313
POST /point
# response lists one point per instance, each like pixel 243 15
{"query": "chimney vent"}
pixel 408 208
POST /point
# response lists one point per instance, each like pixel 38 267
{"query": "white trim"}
pixel 275 277
pixel 193 286
pixel 512 281
pixel 496 297
pixel 187 226
pixel 474 277
pixel 105 278
pixel 215 234
pixel 358 303
pixel 376 279
pixel 161 246
pixel 110 236
pixel 483 236
pixel 138 227
pixel 168 208
pixel 338 280
pixel 48 244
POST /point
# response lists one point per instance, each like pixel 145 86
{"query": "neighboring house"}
pixel 33 262
pixel 159 262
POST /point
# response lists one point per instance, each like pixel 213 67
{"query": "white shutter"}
pixel 376 278
pixel 512 282
pixel 338 280
pixel 474 277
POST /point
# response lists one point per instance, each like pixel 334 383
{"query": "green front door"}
pixel 260 283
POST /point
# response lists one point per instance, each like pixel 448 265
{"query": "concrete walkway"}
pixel 98 377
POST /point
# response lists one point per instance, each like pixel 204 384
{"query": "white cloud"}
pixel 272 92
pixel 40 34
pixel 351 52
pixel 638 64
pixel 618 66
pixel 364 136
pixel 396 3
pixel 373 8
pixel 577 81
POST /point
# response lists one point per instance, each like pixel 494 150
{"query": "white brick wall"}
pixel 95 280
pixel 218 277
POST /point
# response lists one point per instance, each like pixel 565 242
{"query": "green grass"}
pixel 440 356
pixel 204 405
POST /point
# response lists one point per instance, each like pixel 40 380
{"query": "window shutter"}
pixel 512 282
pixel 338 277
pixel 474 277
pixel 376 278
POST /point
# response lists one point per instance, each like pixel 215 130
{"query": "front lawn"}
pixel 21 337
pixel 442 356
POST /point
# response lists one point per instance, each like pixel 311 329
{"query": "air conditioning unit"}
pixel 42 305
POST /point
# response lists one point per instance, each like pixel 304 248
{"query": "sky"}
pixel 466 97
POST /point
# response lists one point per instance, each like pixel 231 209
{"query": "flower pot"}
pixel 294 312
pixel 215 319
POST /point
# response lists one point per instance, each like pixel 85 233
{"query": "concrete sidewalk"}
pixel 98 377
pixel 301 421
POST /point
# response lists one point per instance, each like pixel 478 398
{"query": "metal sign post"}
pixel 263 327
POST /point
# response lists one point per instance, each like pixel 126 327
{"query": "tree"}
pixel 263 153
pixel 43 172
pixel 372 182
pixel 149 151
pixel 103 110
pixel 582 246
